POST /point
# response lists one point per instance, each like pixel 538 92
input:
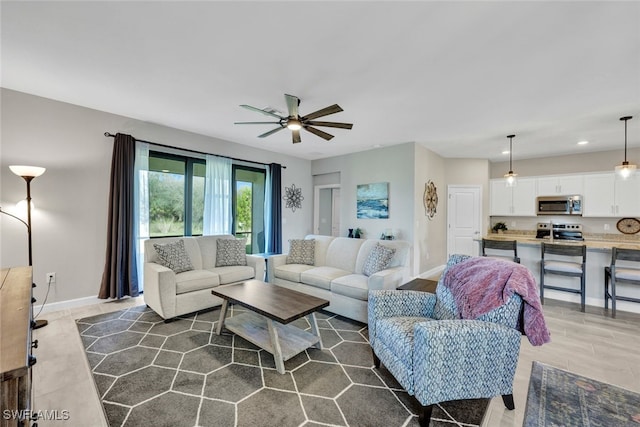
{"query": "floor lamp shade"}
pixel 27 171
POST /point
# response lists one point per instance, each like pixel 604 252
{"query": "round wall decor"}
pixel 430 199
pixel 628 226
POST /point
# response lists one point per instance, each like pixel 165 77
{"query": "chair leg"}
pixel 542 284
pixel 376 359
pixel 613 297
pixel 582 291
pixel 424 418
pixel 508 401
pixel 606 288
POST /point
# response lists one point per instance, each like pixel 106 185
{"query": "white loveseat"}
pixel 172 294
pixel 337 273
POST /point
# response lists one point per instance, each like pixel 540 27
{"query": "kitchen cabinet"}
pixel 605 195
pixel 519 200
pixel 565 185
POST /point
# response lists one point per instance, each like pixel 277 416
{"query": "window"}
pixel 176 195
pixel 248 206
pixel 176 199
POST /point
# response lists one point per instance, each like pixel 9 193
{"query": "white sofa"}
pixel 337 273
pixel 173 294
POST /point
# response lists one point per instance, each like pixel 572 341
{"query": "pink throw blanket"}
pixel 482 284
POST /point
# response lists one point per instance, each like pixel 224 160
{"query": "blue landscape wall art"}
pixel 372 200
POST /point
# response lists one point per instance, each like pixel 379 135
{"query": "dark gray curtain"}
pixel 274 237
pixel 120 276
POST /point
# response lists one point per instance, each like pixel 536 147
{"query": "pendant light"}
pixel 510 177
pixel 625 170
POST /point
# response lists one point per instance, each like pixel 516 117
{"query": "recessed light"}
pixel 505 152
pixel 583 142
pixel 377 145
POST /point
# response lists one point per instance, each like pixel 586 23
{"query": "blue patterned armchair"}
pixel 438 357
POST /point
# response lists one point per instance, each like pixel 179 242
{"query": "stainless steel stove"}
pixel 560 231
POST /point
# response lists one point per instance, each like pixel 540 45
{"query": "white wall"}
pixel 71 198
pixel 575 163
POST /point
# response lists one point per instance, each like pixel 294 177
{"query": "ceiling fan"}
pixel 295 122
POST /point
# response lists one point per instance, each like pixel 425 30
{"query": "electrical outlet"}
pixel 606 227
pixel 51 278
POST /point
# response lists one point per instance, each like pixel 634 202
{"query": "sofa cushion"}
pixel 379 258
pixel 174 256
pixel 232 274
pixel 291 272
pixel 352 286
pixel 301 251
pixel 230 252
pixel 321 277
pixel 343 252
pixel 195 280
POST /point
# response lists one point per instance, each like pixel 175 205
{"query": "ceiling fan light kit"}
pixel 626 169
pixel 295 122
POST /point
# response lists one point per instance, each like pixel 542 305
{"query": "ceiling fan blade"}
pixel 292 105
pixel 295 134
pixel 335 108
pixel 331 124
pixel 271 132
pixel 318 132
pixel 259 110
pixel 256 123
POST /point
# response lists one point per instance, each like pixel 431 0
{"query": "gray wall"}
pixel 69 220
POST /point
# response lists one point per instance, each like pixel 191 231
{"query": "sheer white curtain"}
pixel 141 206
pixel 217 196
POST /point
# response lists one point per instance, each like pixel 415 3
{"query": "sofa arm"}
pixel 257 263
pixel 390 278
pixel 160 289
pixel 463 359
pixel 397 303
pixel 275 261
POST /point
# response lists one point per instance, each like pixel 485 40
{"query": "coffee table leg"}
pixel 315 331
pixel 223 315
pixel 275 343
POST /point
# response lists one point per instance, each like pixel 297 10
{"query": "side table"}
pixel 418 284
pixel 266 256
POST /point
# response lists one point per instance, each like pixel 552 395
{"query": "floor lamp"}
pixel 28 173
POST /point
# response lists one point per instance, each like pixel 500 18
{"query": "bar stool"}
pixel 571 268
pixel 620 273
pixel 501 245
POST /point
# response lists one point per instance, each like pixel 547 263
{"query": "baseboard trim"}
pixel 434 272
pixel 73 303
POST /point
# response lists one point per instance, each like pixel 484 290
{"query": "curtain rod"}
pixel 110 135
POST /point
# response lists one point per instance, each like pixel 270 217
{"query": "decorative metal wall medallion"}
pixel 430 199
pixel 293 197
pixel 628 226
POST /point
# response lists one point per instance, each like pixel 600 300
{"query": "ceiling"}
pixel 456 77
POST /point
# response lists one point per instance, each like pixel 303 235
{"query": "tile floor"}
pixel 590 344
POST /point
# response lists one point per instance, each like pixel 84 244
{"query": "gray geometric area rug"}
pixel 152 373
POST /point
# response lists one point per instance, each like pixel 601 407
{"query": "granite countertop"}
pixel 592 241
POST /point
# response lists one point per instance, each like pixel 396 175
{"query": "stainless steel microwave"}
pixel 559 205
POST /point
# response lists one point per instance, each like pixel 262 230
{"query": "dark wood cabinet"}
pixel 15 346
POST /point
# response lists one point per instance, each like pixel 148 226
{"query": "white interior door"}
pixel 464 218
pixel 326 210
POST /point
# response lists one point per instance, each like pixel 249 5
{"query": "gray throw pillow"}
pixel 173 256
pixel 230 252
pixel 302 251
pixel 379 258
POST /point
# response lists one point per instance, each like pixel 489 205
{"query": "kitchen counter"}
pixel 598 256
pixel 594 242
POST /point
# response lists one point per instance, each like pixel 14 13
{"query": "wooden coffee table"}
pixel 266 325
